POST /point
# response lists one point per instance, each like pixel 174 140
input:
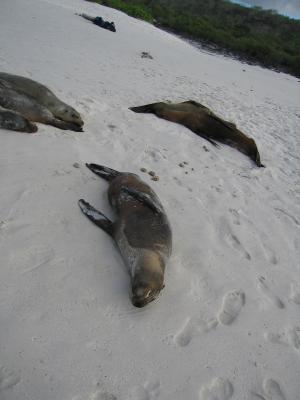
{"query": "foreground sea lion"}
pixel 37 103
pixel 12 120
pixel 204 123
pixel 141 231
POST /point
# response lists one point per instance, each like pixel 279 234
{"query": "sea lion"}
pixel 39 100
pixel 141 231
pixel 12 120
pixel 204 123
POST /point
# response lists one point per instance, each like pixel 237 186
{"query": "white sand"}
pixel 227 323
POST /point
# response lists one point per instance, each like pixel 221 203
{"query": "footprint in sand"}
pixel 218 389
pixel 191 328
pixel 150 391
pixel 294 337
pixel 235 216
pixel 8 379
pixel 231 307
pixel 269 254
pixel 295 294
pixel 289 337
pixel 272 390
pixel 232 240
pixel 270 295
pixel 99 395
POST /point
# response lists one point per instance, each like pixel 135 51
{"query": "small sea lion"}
pixel 141 231
pixel 204 123
pixel 12 120
pixel 39 102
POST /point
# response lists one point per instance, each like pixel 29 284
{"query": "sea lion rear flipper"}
pixel 96 216
pixel 104 172
pixel 148 108
pixel 204 136
pixel 211 141
pixel 143 198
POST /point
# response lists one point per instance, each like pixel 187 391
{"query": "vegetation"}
pixel 254 34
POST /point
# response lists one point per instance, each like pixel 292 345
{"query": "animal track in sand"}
pixel 99 395
pixel 191 328
pixel 270 295
pixel 291 217
pixel 218 389
pixel 236 244
pixel 294 337
pixel 235 216
pixel 150 391
pixel 291 337
pixel 272 390
pixel 231 307
pixel 154 154
pixel 33 258
pixel 269 254
pixel 232 240
pixel 295 294
pixel 8 379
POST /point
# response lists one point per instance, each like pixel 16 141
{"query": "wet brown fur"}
pixel 204 123
pixel 144 226
pixel 37 103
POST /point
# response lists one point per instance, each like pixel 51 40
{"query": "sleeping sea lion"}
pixel 141 231
pixel 204 123
pixel 40 103
pixel 12 120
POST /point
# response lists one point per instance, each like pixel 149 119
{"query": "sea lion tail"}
pixel 104 172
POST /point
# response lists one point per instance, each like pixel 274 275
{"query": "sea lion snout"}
pixel 31 128
pixel 146 288
pixel 143 296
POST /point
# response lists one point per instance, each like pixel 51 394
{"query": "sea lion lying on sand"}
pixel 37 103
pixel 204 123
pixel 141 231
pixel 12 120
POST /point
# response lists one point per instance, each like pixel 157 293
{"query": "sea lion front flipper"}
pixel 104 172
pixel 64 125
pixel 148 108
pixel 204 136
pixel 143 198
pixel 96 216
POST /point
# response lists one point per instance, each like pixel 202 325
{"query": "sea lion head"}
pixel 16 122
pixel 69 114
pixel 148 282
